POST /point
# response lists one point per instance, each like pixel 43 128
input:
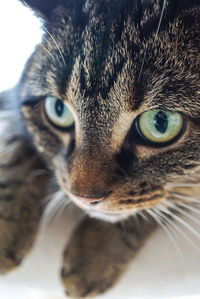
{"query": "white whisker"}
pixel 161 17
pixel 182 212
pixel 63 204
pixel 48 52
pixel 57 202
pixel 168 233
pixel 157 31
pixel 52 38
pixel 141 69
pixel 184 197
pixel 175 226
pixel 181 221
pixel 142 215
pixel 183 185
pixel 193 209
pixel 56 44
pixel 50 45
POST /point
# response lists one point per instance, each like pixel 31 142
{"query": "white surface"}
pixel 158 271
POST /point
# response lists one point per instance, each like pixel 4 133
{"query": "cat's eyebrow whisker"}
pixel 162 211
pixel 56 44
pixel 156 36
pixel 164 226
pixel 141 69
pixel 51 46
pixel 161 17
pixel 48 52
pixel 52 38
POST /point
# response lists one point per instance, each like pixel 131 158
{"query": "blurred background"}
pixel 19 32
pixel 167 267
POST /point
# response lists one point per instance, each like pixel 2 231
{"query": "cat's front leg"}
pixel 98 254
pixel 20 191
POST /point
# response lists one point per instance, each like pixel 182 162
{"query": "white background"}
pixel 160 270
pixel 19 32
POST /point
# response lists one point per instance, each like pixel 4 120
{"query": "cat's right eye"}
pixel 159 127
pixel 58 113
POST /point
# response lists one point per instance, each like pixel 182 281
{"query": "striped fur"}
pixel 20 189
pixel 109 61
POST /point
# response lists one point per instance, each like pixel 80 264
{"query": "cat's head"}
pixel 111 98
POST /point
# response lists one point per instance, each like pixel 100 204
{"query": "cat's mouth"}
pixel 84 202
pixel 99 208
pixel 90 206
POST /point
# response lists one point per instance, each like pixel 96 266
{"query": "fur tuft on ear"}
pixel 42 7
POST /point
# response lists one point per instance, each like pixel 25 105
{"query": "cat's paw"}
pixel 10 256
pixel 81 279
pixel 12 246
pixel 22 188
pixel 16 237
pixel 94 259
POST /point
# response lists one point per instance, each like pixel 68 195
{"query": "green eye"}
pixel 58 113
pixel 158 126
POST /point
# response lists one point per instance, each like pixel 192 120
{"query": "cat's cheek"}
pixel 60 170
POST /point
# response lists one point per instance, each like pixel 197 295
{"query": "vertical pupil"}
pixel 161 122
pixel 59 107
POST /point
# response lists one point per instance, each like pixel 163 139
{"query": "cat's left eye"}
pixel 159 127
pixel 58 113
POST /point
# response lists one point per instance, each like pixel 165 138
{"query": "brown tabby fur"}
pixel 109 61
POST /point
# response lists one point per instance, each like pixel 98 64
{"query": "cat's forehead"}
pixel 124 63
pixel 125 55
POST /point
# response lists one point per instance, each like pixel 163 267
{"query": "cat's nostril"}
pixel 94 203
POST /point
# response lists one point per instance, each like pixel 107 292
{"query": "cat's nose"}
pixel 88 199
pixel 90 178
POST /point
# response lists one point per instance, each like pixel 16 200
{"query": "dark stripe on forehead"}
pixel 101 30
pixel 99 39
pixel 98 86
pixel 106 44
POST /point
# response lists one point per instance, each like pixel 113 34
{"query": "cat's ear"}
pixel 43 8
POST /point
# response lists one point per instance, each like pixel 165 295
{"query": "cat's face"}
pixel 130 131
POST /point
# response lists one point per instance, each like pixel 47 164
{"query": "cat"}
pixel 110 106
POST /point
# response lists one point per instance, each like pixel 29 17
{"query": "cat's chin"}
pixel 109 216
